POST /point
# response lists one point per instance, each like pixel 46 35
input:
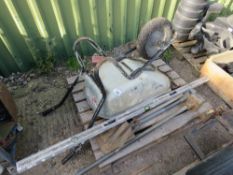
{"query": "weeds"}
pixel 72 64
pixel 167 55
pixel 46 63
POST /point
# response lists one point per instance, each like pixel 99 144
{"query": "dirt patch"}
pixel 40 132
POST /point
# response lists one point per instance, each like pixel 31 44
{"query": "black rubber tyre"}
pixel 198 1
pixel 154 33
pixel 183 21
pixel 189 12
pixel 183 30
pixel 192 4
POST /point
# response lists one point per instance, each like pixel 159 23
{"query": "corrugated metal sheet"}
pixel 29 28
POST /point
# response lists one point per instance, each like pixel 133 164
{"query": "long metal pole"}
pixel 60 147
pixel 138 137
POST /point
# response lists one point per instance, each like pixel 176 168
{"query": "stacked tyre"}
pixel 187 15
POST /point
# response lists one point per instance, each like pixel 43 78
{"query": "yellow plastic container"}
pixel 220 81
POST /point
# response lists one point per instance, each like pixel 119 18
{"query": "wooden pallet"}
pixel 195 60
pixel 121 134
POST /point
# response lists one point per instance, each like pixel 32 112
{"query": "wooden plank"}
pixel 158 62
pixel 94 145
pixel 185 44
pixel 115 137
pixel 82 106
pixel 179 82
pixel 172 74
pixel 70 80
pixel 80 96
pixel 96 150
pixel 170 127
pixel 85 117
pixel 98 154
pixel 184 47
pixel 78 87
pixel 165 68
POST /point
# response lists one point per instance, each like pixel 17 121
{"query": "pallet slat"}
pixel 85 117
pixel 70 80
pixel 158 62
pixel 165 68
pixel 96 149
pixel 78 87
pixel 79 96
pixel 179 82
pixel 173 75
pixel 82 106
pixel 185 44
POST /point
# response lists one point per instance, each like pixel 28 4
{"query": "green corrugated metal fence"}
pixel 31 28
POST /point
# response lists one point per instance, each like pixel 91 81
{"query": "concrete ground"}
pixel 165 157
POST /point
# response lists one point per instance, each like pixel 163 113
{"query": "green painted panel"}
pixel 119 21
pixel 169 9
pixel 104 19
pixel 14 39
pixel 26 26
pixel 158 8
pixel 55 40
pixel 67 18
pixel 7 62
pixel 133 14
pixel 33 38
pixel 145 11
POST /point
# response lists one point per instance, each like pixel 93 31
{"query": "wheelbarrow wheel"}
pixel 153 36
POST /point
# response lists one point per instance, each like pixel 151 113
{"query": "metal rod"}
pixel 80 138
pixel 150 116
pixel 162 106
pixel 107 156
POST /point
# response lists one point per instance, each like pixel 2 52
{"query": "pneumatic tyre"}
pixel 189 12
pixel 184 21
pixel 154 34
pixel 193 4
pixel 182 30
